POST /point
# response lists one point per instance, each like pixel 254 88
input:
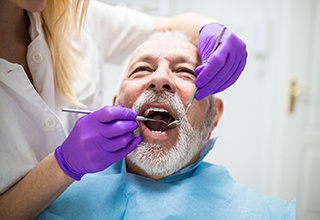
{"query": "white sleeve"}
pixel 116 30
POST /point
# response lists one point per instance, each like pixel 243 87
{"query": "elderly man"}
pixel 165 176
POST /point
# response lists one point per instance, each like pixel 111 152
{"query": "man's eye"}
pixel 141 70
pixel 185 70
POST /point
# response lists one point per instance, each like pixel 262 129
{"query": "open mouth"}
pixel 158 114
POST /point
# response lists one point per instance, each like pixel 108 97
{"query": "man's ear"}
pixel 218 107
pixel 114 101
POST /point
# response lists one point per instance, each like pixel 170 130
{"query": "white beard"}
pixel 159 160
pixel 156 159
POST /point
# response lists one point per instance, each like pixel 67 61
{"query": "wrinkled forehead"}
pixel 166 44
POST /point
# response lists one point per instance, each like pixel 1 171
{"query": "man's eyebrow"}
pixel 145 58
pixel 149 58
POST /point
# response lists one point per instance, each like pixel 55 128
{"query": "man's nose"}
pixel 162 81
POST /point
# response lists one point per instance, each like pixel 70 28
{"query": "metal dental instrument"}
pixel 213 50
pixel 138 118
pixel 80 111
pixel 169 125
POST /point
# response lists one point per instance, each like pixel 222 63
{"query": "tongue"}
pixel 156 126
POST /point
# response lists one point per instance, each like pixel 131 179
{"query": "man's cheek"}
pixel 127 101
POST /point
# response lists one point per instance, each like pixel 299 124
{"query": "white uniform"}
pixel 31 122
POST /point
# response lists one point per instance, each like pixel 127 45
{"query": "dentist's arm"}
pixel 190 23
pixel 95 142
pixel 33 193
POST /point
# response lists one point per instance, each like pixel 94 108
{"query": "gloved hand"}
pixel 98 140
pixel 220 70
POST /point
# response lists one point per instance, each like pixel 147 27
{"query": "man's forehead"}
pixel 170 47
pixel 166 42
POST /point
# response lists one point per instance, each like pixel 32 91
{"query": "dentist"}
pixel 51 56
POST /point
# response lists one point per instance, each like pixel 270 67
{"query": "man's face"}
pixel 158 83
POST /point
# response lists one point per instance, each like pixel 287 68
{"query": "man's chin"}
pixel 154 159
pixel 163 153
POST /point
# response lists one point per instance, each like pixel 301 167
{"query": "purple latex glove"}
pixel 220 70
pixel 98 140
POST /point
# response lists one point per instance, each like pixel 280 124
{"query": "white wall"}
pixel 246 130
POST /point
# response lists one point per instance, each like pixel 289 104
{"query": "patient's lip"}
pixel 159 106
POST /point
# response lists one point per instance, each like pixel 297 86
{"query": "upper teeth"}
pixel 145 114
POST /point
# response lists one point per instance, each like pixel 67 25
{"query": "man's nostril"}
pixel 166 86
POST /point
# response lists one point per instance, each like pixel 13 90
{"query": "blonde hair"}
pixel 62 21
